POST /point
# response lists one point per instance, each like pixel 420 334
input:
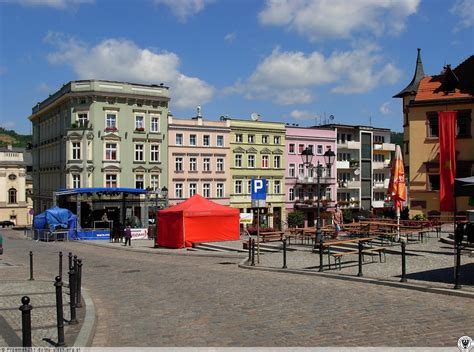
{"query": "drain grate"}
pixel 101 266
pixel 226 263
pixel 130 271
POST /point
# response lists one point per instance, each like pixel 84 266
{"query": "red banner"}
pixel 447 159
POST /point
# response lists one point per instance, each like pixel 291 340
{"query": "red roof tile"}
pixel 429 89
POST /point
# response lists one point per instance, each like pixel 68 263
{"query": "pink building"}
pixel 198 157
pixel 301 181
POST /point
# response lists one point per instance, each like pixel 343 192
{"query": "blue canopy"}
pixel 54 218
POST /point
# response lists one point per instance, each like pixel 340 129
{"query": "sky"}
pixel 292 61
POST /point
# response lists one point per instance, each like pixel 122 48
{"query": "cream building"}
pixel 15 186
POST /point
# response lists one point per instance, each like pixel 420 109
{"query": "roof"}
pixel 360 127
pixel 199 206
pixel 412 87
pixel 430 89
pixel 100 189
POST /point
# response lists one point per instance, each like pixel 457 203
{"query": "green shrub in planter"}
pixel 296 219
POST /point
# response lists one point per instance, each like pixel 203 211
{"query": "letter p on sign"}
pixel 259 190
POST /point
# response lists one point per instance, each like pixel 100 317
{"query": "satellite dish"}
pixel 357 172
pixel 331 117
pixel 254 116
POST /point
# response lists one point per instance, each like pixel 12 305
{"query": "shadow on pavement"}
pixel 445 275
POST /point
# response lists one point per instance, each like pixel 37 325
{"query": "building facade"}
pixel 15 186
pixel 257 150
pixel 199 158
pixel 423 98
pixel 301 181
pixel 96 133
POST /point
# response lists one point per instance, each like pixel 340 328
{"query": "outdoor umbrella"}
pixel 397 188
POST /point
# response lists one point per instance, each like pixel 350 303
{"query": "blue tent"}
pixel 53 219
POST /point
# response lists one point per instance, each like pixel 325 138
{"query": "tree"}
pixel 296 219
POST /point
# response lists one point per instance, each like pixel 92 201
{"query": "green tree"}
pixel 296 219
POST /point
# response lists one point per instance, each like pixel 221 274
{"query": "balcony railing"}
pixel 390 147
pixel 348 184
pixel 307 180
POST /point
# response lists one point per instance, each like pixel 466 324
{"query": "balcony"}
pixel 348 145
pixel 348 184
pixel 389 147
pixel 381 185
pixel 347 164
pixel 381 164
pixel 307 180
pixel 352 204
pixel 313 204
pixel 378 203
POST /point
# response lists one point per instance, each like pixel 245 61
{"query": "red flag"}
pixel 447 159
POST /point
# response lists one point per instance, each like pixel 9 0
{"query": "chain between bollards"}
pixel 26 320
pixel 253 253
pixel 284 254
pixel 361 248
pixel 31 265
pixel 61 264
pixel 59 311
pixel 79 283
pixel 72 296
pixel 404 269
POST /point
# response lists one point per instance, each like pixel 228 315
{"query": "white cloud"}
pixel 57 4
pixel 8 124
pixel 44 88
pixel 288 77
pixel 385 108
pixel 303 115
pixel 327 19
pixel 230 37
pixel 465 10
pixel 122 60
pixel 184 8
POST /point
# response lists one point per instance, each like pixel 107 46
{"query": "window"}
pixel 206 190
pixel 433 182
pixel 380 158
pixel 220 164
pixel 379 196
pixel 300 194
pixel 264 139
pixel 155 123
pixel 111 121
pixel 206 165
pixel 238 187
pixel 300 148
pixel 433 129
pixel 379 139
pixel 220 190
pixel 82 119
pixel 319 149
pixel 251 161
pixel 76 181
pixel 192 189
pixel 76 150
pixel 110 151
pixel 206 140
pixel 276 139
pixel 291 148
pixel 276 161
pixel 139 122
pixel 276 187
pixel 154 152
pixel 343 176
pixel 291 194
pixel 178 190
pixel 378 177
pixel 192 139
pixel 220 141
pixel 265 161
pixel 110 180
pixel 249 186
pixel 139 182
pixel 12 196
pixel 344 157
pixel 238 138
pixel 192 164
pixel 179 139
pixel 251 138
pixel 154 182
pixel 238 160
pixel 178 166
pixel 349 137
pixel 464 123
pixel 301 170
pixel 139 148
pixel 291 170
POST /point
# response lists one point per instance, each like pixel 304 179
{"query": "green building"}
pixel 258 151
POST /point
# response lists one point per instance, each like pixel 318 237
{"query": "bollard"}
pixel 78 283
pixel 284 254
pixel 69 260
pixel 321 254
pixel 250 249
pixel 72 296
pixel 61 264
pixel 26 320
pixel 75 263
pixel 404 271
pixel 361 248
pixel 253 253
pixel 59 311
pixel 457 274
pixel 31 265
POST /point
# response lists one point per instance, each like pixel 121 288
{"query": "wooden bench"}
pixel 272 235
pixel 367 250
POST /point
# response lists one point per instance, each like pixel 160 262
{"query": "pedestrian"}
pixel 337 220
pixel 128 236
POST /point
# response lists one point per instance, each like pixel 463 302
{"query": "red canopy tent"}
pixel 196 220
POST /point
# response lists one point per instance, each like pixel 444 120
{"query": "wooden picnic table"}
pixel 267 235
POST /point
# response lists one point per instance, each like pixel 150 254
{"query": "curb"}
pixel 409 286
pixel 86 334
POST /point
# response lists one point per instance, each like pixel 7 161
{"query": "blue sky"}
pixel 295 61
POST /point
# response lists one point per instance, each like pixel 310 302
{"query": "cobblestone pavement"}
pixel 162 300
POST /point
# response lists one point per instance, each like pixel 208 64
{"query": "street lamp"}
pixel 307 157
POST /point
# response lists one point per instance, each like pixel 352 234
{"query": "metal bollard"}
pixel 361 248
pixel 250 249
pixel 59 311
pixel 404 271
pixel 26 320
pixel 253 253
pixel 284 254
pixel 75 263
pixel 78 283
pixel 321 253
pixel 61 264
pixel 457 274
pixel 72 296
pixel 31 265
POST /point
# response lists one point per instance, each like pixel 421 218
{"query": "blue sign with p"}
pixel 259 188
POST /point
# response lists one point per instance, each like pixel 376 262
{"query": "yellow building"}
pixel 423 98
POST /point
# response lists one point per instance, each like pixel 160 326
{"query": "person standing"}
pixel 337 220
pixel 128 236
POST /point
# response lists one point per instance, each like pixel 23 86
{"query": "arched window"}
pixel 12 196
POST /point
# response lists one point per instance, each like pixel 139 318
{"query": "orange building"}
pixel 423 98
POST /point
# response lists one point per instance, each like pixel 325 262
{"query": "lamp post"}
pixel 307 157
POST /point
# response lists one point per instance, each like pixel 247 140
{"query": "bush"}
pixel 296 219
pixel 419 217
pixel 347 215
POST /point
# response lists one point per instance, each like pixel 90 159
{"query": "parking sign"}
pixel 259 188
